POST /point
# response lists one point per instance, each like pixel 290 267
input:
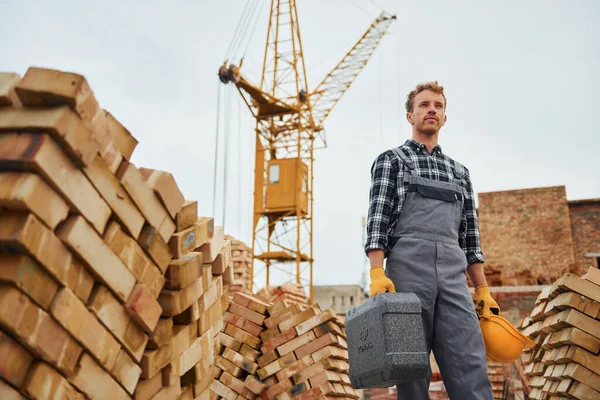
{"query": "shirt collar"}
pixel 413 144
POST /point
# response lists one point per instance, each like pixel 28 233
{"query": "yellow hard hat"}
pixel 503 342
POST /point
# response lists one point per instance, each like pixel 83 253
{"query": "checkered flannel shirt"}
pixel 388 191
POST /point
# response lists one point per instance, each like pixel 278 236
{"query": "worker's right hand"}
pixel 380 282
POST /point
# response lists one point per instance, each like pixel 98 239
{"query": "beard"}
pixel 428 129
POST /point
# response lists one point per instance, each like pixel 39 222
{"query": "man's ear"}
pixel 409 118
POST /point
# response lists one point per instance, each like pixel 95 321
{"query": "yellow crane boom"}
pixel 289 122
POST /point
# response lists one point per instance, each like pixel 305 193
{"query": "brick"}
pixel 212 317
pixel 20 232
pixel 294 391
pixel 328 327
pixel 51 88
pixel 164 185
pixel 270 333
pixel 94 382
pixel 154 245
pixel 246 313
pixel 161 334
pixel 228 276
pixel 59 122
pixel 200 348
pixel 187 393
pixel 298 318
pixel 143 307
pixel 568 282
pixel 251 303
pixel 133 257
pixel 593 275
pixel 26 274
pixel 240 361
pixel 115 196
pixel 115 318
pixel 229 367
pixel 73 315
pixel 90 247
pixel 281 315
pixel 8 393
pixel 184 271
pixel 170 373
pixel 154 360
pixel 126 371
pixel 185 241
pixel 279 388
pixel 296 343
pixel 44 383
pixel 39 153
pixel 8 96
pixel 222 261
pixel 294 368
pixel 276 366
pixel 36 330
pixel 229 341
pixel 315 321
pixel 187 216
pixel 242 323
pixel 26 191
pixel 223 391
pixel 242 336
pixel 237 385
pixel 267 358
pixel 250 353
pixel 146 389
pixel 211 249
pixel 168 393
pixel 254 385
pixel 174 302
pixel 143 196
pixel 279 340
pixel 125 141
pixel 14 360
pixel 308 372
pixel 107 145
pixel 573 318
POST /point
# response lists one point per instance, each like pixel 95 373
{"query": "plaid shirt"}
pixel 387 196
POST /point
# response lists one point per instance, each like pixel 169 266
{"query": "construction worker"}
pixel 422 219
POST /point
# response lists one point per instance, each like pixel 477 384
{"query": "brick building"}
pixel 533 236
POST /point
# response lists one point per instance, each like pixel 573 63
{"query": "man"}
pixel 422 218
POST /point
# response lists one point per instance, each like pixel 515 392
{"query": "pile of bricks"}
pixel 496 374
pixel 290 292
pixel 565 324
pixel 241 256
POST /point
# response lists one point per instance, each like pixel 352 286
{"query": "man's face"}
pixel 428 114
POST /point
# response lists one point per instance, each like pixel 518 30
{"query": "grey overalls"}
pixel 427 260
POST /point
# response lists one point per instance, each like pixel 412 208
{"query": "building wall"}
pixel 341 298
pixel 585 225
pixel 526 234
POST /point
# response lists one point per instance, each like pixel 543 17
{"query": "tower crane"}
pixel 289 128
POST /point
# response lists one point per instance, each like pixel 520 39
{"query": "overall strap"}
pixel 408 163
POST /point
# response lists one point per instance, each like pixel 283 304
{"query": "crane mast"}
pixel 289 127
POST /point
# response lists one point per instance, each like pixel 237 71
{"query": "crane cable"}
pixel 214 202
pixel 248 18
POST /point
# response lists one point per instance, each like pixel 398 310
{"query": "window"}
pixel 333 300
pixel 343 297
pixel 274 174
pixel 352 300
pixel 304 184
pixel 597 262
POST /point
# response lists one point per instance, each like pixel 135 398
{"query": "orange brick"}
pixel 26 274
pixel 50 88
pixel 143 307
pixel 26 191
pixel 219 265
pixel 251 303
pixel 296 343
pixel 161 334
pixel 250 353
pixel 90 247
pixel 267 358
pixel 213 317
pixel 60 122
pixel 223 391
pixel 276 366
pixel 229 367
pixel 43 382
pixel 115 196
pixel 94 382
pixel 298 318
pixel 242 323
pixel 113 316
pixel 27 234
pixel 308 372
pixel 143 196
pixel 279 388
pixel 240 361
pixel 242 336
pixel 315 321
pixel 294 368
pixel 282 315
pixel 229 341
pixel 187 216
pixel 147 389
pixel 202 347
pixel 125 141
pixel 279 340
pixel 184 271
pixel 246 313
pixel 237 385
pixel 270 333
pixel 40 154
pixel 109 149
pixel 187 393
pixel 154 360
pixel 126 371
pixel 327 327
pixel 185 241
pixel 7 392
pixel 211 249
pixel 73 315
pixel 36 330
pixel 174 302
pixel 8 96
pixel 315 345
pixel 14 360
pixel 154 245
pixel 255 385
pixel 164 185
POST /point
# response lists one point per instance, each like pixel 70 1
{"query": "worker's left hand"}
pixel 484 302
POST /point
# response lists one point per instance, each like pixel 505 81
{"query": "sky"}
pixel 521 78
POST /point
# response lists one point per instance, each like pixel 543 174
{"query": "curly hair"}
pixel 433 86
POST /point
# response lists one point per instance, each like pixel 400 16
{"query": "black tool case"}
pixel 386 343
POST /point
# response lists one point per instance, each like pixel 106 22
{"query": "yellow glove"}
pixel 484 302
pixel 380 282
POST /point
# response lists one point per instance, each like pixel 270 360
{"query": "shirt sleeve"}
pixel 381 196
pixel 469 237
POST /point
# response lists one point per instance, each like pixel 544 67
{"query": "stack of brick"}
pixel 237 357
pixel 496 375
pixel 241 256
pixel 566 327
pixel 304 354
pixel 83 242
pixel 290 292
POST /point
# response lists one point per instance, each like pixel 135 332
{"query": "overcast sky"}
pixel 521 77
